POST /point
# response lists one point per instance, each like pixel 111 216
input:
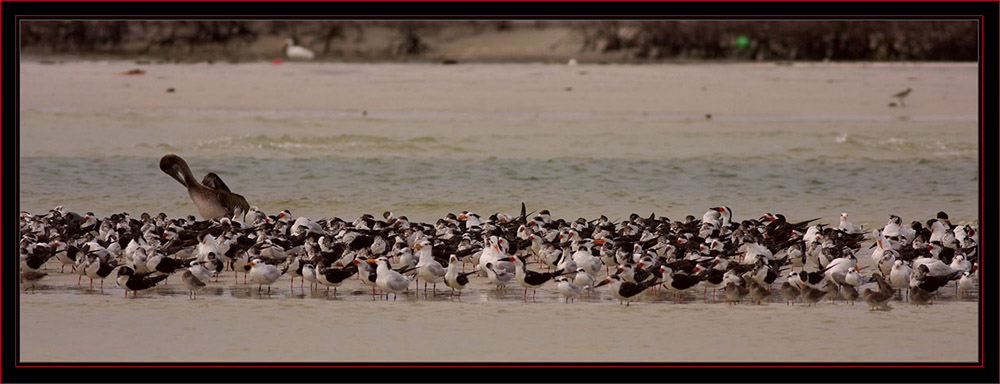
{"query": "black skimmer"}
pixel 131 281
pixel 622 290
pixel 531 279
pixel 567 289
pixel 712 277
pixel 309 274
pixel 263 274
pixel 920 296
pixel 294 269
pixel 454 279
pixel 211 202
pixel 334 277
pixel 678 283
pixel 163 264
pixel 366 273
pixel 99 268
pixel 66 254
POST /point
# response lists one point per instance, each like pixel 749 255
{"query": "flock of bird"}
pixel 391 254
pixel 745 259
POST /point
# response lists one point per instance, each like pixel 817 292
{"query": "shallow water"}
pixel 342 140
pixel 231 322
pixel 425 168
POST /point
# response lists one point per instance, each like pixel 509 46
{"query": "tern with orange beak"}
pixel 263 274
pixel 388 280
pixel 428 269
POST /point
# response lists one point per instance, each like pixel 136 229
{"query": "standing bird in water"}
pixel 212 196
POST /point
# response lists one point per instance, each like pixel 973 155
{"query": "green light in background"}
pixel 742 42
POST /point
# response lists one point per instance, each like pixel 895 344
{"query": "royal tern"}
pixel 263 274
pixel 567 289
pixel 388 280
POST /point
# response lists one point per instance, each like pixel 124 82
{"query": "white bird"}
pixel 584 257
pixel 966 283
pixel 568 290
pixel 428 269
pixel 940 233
pixel 899 278
pixel 389 281
pixel 303 225
pixel 849 227
pixel 897 234
pixel 719 217
pixel 499 277
pixel 200 271
pixel 935 267
pixel 584 279
pixel 960 263
pixel 263 274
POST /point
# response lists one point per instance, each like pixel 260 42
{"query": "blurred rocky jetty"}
pixel 509 40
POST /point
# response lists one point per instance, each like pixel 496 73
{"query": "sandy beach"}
pixel 476 116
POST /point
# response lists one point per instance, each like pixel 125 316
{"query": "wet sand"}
pixel 228 322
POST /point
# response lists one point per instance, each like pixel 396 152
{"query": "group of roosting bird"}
pixel 388 254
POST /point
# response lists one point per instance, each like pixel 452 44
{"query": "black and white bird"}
pixel 624 291
pixel 531 279
pixel 455 279
pixel 678 283
pixel 130 281
pixel 334 277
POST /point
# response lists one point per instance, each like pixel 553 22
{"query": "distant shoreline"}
pixel 496 41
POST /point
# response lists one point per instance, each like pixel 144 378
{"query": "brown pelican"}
pixel 212 197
